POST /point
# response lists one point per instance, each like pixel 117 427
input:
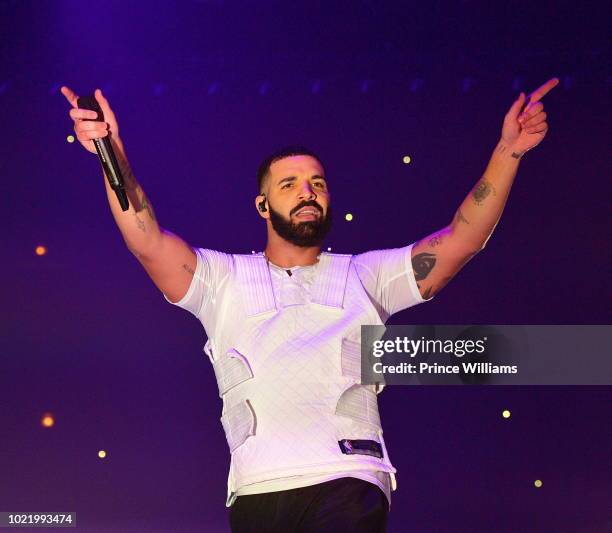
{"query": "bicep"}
pixel 437 258
pixel 171 265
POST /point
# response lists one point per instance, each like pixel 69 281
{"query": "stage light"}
pixel 47 420
pixel 506 413
pixel 40 250
pixel 537 483
pixel 70 138
pixel 348 217
pixel 406 159
pixel 101 454
pixel 329 249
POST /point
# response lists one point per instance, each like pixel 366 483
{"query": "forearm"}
pixel 479 213
pixel 138 224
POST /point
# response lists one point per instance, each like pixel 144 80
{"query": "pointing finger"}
pixel 70 96
pixel 540 92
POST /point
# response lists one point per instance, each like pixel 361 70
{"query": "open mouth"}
pixel 307 213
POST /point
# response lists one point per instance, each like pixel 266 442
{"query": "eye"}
pixel 286 185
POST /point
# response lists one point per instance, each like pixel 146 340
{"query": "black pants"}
pixel 345 504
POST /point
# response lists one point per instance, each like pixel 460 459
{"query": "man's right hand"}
pixel 168 259
pixel 86 130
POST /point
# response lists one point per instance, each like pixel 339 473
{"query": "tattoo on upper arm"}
pixel 189 269
pixel 459 216
pixel 422 264
pixel 435 241
pixel 481 190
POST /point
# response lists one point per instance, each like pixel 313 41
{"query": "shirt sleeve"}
pixel 388 278
pixel 212 267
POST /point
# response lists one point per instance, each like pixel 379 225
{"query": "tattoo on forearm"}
pixel 481 190
pixel 459 216
pixel 501 148
pixel 189 269
pixel 422 265
pixel 516 155
pixel 146 205
pixel 140 223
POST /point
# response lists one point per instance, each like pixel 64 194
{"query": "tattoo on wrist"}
pixel 481 190
pixel 501 148
pixel 422 264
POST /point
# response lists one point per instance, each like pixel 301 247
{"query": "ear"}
pixel 258 204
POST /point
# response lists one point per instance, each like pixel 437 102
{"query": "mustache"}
pixel 312 203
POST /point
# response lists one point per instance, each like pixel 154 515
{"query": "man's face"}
pixel 299 201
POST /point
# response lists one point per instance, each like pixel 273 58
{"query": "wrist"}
pixel 509 150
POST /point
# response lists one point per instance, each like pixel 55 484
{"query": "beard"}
pixel 303 234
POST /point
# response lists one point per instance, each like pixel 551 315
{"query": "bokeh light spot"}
pixel 47 420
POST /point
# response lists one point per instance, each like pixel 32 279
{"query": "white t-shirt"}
pixel 387 278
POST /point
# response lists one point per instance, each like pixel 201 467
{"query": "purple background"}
pixel 205 89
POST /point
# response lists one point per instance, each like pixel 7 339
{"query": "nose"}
pixel 307 192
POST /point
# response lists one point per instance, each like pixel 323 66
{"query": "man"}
pixel 283 326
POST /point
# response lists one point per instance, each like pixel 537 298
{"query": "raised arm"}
pixel 168 259
pixel 437 258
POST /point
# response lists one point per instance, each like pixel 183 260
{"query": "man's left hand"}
pixel 525 128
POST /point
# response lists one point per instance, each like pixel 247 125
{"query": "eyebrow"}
pixel 293 178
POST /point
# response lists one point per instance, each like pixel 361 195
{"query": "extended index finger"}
pixel 70 95
pixel 540 92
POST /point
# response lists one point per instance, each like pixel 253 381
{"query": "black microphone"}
pixel 106 153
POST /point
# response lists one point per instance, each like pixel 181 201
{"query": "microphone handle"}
pixel 112 170
pixel 106 153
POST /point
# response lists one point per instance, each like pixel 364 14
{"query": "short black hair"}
pixel 287 151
